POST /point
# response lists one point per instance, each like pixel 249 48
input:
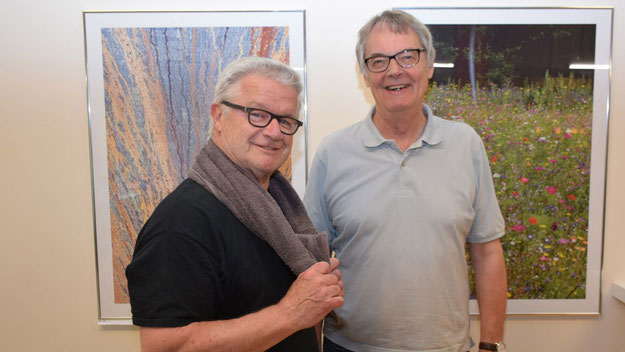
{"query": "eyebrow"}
pixel 381 54
pixel 376 54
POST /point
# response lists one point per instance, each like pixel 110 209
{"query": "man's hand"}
pixel 314 294
pixel 310 298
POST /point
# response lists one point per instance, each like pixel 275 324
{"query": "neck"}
pixel 264 183
pixel 402 127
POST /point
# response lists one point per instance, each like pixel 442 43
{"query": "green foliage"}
pixel 559 94
pixel 500 64
pixel 446 52
pixel 537 138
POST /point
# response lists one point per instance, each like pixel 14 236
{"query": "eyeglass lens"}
pixel 260 118
pixel 405 59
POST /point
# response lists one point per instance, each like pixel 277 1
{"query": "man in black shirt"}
pixel 229 260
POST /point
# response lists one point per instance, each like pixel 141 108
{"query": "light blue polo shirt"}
pixel 398 222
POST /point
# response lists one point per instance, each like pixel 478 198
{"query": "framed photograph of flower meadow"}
pixel 534 83
pixel 151 77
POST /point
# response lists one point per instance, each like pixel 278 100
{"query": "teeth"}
pixel 395 88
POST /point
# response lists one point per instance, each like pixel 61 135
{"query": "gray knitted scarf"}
pixel 277 215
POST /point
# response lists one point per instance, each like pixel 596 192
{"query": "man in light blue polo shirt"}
pixel 400 193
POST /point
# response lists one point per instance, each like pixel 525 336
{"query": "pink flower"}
pixel 551 189
pixel 524 180
pixel 518 228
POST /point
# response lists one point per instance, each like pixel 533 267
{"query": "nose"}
pixel 393 67
pixel 273 129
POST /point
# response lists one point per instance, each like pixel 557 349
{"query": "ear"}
pixel 217 116
pixel 431 72
pixel 366 79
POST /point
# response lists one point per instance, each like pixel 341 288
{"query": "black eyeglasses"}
pixel 405 58
pixel 262 118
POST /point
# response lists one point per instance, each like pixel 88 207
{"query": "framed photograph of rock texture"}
pixel 150 78
pixel 534 83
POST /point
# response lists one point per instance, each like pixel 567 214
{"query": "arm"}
pixel 248 333
pixel 314 293
pixel 491 287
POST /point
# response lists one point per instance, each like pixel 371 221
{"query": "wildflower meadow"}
pixel 537 137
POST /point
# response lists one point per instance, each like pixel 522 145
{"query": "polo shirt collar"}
pixel 431 135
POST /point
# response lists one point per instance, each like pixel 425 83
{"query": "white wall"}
pixel 48 298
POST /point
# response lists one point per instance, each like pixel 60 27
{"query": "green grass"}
pixel 537 138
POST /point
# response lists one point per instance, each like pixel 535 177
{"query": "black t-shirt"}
pixel 195 261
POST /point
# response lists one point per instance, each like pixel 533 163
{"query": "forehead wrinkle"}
pixel 257 105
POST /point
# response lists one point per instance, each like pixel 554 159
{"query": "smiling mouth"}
pixel 268 148
pixel 396 88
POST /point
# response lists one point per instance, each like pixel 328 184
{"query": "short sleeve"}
pixel 173 281
pixel 488 223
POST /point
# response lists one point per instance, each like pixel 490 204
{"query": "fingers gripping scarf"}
pixel 281 220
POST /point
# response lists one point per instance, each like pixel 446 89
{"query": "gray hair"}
pixel 227 86
pixel 398 22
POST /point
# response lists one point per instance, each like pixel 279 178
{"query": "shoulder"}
pixel 344 135
pixel 456 127
pixel 458 132
pixel 190 211
pixel 189 199
pixel 341 141
pixel 188 190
